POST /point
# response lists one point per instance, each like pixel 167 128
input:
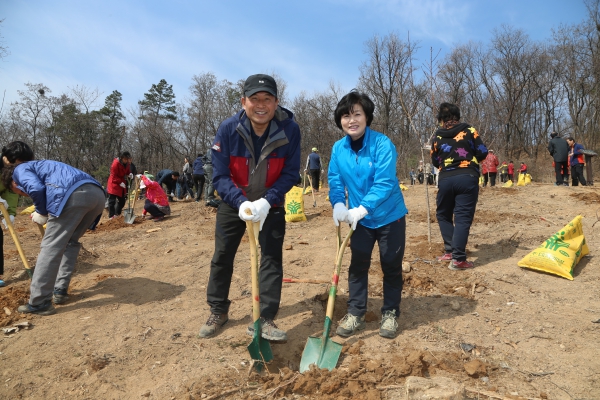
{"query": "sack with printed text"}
pixel 294 205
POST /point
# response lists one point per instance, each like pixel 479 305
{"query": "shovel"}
pixel 16 240
pixel 324 352
pixel 128 215
pixel 259 348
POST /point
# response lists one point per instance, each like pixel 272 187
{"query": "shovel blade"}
pixel 259 348
pixel 128 217
pixel 322 353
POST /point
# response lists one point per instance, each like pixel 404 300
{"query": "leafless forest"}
pixel 514 90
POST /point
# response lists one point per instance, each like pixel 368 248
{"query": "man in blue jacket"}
pixel 256 159
pixel 577 159
pixel 67 200
pixel 198 176
pixel 169 178
pixel 313 164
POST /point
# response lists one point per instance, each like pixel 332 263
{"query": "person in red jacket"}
pixel 511 171
pixel 117 184
pixel 490 168
pixel 523 169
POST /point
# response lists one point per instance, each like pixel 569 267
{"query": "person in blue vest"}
pixel 67 201
pixel 198 176
pixel 313 166
pixel 256 159
pixel 363 163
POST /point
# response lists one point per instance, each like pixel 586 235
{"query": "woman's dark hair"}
pixel 6 176
pixel 16 151
pixel 346 106
pixel 448 112
pixel 125 154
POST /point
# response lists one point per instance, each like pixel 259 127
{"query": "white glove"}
pixel 139 176
pixel 4 202
pixel 340 213
pixel 355 215
pixel 262 207
pixel 130 175
pixel 39 218
pixel 247 205
pixel 122 184
pixel 12 221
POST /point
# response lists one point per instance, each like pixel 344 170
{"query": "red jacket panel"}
pixel 118 175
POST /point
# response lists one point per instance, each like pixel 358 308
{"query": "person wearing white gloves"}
pixel 117 184
pixel 13 153
pixel 256 159
pixel 364 164
pixel 67 200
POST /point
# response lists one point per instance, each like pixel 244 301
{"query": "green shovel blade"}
pixel 321 351
pixel 259 348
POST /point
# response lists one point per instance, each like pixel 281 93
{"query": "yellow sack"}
pixel 28 210
pixel 560 253
pixel 527 179
pixel 508 183
pixel 402 187
pixel 521 181
pixel 308 190
pixel 294 205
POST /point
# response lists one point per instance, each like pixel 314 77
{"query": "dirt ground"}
pixel 138 299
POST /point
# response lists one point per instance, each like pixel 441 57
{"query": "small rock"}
pixel 455 305
pixel 475 368
pixel 406 267
pixel 146 393
pixel 543 395
pixel 289 247
pixel 480 289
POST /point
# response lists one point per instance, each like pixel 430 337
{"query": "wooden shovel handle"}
pixel 15 237
pixel 336 272
pixel 252 228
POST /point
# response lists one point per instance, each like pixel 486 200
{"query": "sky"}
pixel 128 45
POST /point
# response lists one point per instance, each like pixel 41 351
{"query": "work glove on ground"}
pixel 340 213
pixel 122 184
pixel 12 221
pixel 39 218
pixel 247 205
pixel 262 207
pixel 355 215
pixel 4 202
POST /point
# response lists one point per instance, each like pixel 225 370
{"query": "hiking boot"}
pixel 445 257
pixel 44 309
pixel 350 324
pixel 268 331
pixel 215 321
pixel 60 296
pixel 460 265
pixel 389 325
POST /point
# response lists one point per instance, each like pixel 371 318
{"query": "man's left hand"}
pixel 262 207
pixel 39 218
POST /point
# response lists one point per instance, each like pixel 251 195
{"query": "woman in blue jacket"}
pixel 364 164
pixel 67 200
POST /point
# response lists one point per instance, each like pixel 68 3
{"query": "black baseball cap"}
pixel 260 83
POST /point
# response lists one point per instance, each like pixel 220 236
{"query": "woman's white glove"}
pixel 262 208
pixel 130 175
pixel 122 184
pixel 355 215
pixel 247 205
pixel 39 218
pixel 340 213
pixel 4 202
pixel 12 221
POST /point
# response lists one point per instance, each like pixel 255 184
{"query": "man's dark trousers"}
pixel 315 175
pixel 456 202
pixel 559 168
pixel 577 174
pixel 228 234
pixel 199 185
pixel 391 239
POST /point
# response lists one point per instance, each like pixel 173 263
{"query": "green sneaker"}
pixel 44 309
pixel 215 321
pixel 389 325
pixel 350 324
